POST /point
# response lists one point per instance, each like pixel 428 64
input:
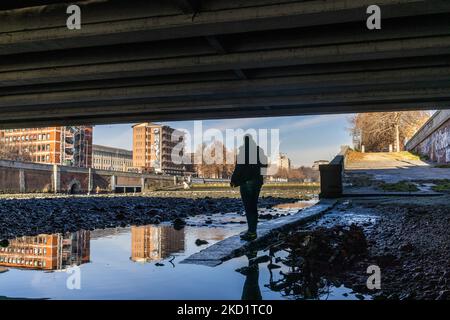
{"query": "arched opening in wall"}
pixel 74 187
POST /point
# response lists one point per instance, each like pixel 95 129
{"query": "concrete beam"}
pixel 243 42
pixel 249 107
pixel 300 84
pixel 222 114
pixel 38 30
pixel 277 72
pixel 272 58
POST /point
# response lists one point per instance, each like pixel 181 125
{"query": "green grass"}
pixel 443 166
pixel 441 186
pixel 265 186
pixel 402 186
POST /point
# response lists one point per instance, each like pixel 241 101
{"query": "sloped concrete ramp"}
pixel 233 246
pixel 365 172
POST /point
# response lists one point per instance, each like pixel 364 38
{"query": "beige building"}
pixel 153 243
pixel 283 162
pixel 153 146
pixel 109 158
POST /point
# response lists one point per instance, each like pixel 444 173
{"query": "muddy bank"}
pixel 411 243
pixel 69 214
pixel 409 239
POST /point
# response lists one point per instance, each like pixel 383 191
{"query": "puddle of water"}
pixel 140 262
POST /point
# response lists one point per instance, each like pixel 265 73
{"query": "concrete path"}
pixel 234 246
pixel 391 168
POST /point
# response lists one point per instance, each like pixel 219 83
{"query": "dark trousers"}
pixel 250 194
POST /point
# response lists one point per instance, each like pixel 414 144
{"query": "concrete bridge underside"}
pixel 205 59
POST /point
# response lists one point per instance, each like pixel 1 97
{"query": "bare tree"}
pixel 376 131
pixel 298 174
pixel 14 152
pixel 217 166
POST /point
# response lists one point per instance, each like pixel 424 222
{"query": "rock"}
pixel 159 264
pixel 406 296
pixel 153 211
pixel 155 221
pixel 406 247
pixel 443 295
pixel 393 296
pixel 359 296
pixel 120 215
pixel 178 223
pixel 200 242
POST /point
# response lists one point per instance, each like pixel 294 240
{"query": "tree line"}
pixel 385 131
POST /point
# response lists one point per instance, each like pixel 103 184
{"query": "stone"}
pixel 178 223
pixel 200 242
pixel 443 295
pixel 406 247
pixel 153 212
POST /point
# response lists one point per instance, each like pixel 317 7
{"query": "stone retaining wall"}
pixel 26 177
pixel 433 140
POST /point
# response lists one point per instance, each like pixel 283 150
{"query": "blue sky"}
pixel 304 138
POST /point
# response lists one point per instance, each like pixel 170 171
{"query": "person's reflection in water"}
pixel 251 289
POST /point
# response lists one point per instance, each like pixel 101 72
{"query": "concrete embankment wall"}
pixel 331 175
pixel 433 139
pixel 25 177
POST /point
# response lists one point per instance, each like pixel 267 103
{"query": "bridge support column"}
pixel 56 178
pixel 113 183
pixel 142 184
pixel 22 188
pixel 90 181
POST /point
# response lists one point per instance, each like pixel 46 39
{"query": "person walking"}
pixel 248 177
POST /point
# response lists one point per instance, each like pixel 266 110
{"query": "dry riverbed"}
pixel 46 214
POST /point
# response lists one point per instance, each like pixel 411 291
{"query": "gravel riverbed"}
pixel 39 214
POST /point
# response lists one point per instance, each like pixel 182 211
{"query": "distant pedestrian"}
pixel 248 176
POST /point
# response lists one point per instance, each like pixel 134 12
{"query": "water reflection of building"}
pixel 149 243
pixel 47 252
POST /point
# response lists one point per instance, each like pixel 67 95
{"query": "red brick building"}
pixel 70 146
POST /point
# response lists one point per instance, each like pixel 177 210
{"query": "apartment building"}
pixel 70 145
pixel 153 145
